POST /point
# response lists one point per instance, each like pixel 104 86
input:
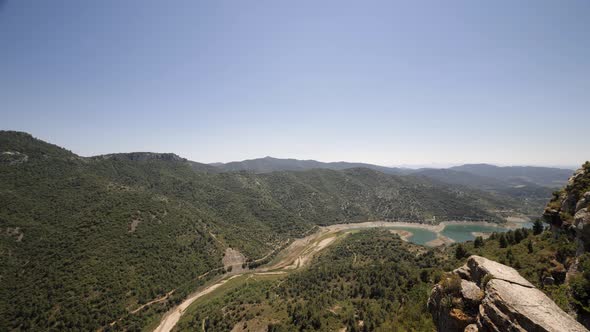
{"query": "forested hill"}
pixel 85 240
pixel 469 174
pixel 531 186
pixel 541 176
pixel 270 164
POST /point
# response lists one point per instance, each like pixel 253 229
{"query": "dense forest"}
pixel 373 281
pixel 371 277
pixel 86 241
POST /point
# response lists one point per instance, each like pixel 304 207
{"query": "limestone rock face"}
pixel 471 293
pixel 569 208
pixel 142 156
pixel 581 218
pixel 584 201
pixel 13 157
pixel 480 267
pixel 523 308
pixel 449 319
pixel 494 297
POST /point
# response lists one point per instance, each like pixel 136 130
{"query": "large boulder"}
pixel 490 296
pixel 481 267
pixel 512 307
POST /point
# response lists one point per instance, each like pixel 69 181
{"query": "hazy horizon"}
pixel 409 166
pixel 383 83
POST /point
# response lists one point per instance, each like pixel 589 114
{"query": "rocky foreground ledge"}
pixel 484 295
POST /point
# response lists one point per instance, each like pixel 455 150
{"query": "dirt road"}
pixel 172 317
pixel 295 256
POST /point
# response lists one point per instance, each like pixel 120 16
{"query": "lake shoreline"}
pixel 434 228
pixel 406 234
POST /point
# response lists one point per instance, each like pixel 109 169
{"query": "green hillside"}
pixel 371 277
pixel 86 240
pixel 373 281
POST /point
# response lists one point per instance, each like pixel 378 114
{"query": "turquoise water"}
pixel 462 233
pixel 420 235
pixel 456 232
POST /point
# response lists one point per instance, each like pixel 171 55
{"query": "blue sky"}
pixel 386 82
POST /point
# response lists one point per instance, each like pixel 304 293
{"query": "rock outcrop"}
pixel 569 210
pixel 13 157
pixel 484 295
pixel 141 156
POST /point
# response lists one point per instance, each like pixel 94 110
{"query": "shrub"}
pixel 460 252
pixel 503 241
pixel 478 243
pixel 451 284
pixel 538 227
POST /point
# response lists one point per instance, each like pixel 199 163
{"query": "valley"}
pixel 299 253
pixel 119 241
pixel 294 166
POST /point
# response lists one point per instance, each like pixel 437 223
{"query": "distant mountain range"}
pixel 518 175
pixel 139 224
pixel 478 175
pixel 270 164
pixel 94 236
pixel 531 184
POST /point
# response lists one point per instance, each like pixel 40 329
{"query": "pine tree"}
pixel 460 252
pixel 538 227
pixel 518 236
pixel 478 242
pixel 503 241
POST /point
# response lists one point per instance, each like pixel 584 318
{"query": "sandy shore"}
pixel 484 235
pixel 404 235
pixel 300 251
pixel 439 241
pixel 433 228
pixel 374 224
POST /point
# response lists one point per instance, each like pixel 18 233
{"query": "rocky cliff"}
pixel 484 295
pixel 569 210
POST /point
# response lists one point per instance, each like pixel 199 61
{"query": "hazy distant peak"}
pixel 543 176
pixel 271 164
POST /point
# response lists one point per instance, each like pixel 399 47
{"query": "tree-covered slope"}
pixel 85 240
pixel 71 258
pixel 369 281
pixel 542 176
pixel 532 196
pixel 270 164
pixel 530 186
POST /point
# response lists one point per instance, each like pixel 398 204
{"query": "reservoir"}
pixel 462 233
pixel 455 232
pixel 419 235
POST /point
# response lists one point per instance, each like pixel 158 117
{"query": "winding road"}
pixel 294 257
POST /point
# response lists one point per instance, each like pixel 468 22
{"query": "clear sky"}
pixel 386 82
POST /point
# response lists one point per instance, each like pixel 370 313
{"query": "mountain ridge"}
pixel 504 173
pixel 270 164
pixel 94 237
